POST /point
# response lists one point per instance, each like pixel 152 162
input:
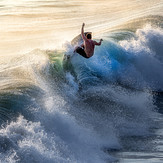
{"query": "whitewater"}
pixel 108 108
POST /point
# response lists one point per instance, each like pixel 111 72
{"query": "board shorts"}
pixel 81 51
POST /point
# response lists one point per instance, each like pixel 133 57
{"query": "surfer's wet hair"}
pixel 89 36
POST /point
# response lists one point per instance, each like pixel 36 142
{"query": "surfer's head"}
pixel 89 35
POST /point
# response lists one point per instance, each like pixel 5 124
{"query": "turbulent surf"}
pixel 55 108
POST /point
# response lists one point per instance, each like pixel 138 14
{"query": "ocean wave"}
pixel 135 62
pixel 79 110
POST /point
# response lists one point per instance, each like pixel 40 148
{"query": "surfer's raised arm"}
pixel 98 43
pixel 87 48
pixel 82 32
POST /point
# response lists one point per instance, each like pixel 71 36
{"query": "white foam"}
pixel 68 127
pixel 146 50
pixel 68 48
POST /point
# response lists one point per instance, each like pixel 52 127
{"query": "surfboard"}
pixel 76 41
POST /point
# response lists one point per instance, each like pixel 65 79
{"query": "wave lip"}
pixel 135 62
pixel 62 124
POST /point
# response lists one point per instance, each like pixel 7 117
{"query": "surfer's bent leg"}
pixel 81 51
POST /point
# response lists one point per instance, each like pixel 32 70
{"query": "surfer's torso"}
pixel 89 47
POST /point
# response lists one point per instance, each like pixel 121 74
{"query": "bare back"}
pixel 89 47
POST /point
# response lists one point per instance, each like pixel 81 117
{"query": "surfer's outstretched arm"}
pixel 82 32
pixel 98 43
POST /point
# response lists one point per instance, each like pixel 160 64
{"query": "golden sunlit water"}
pixel 26 25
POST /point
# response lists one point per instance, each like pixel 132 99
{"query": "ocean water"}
pixel 108 108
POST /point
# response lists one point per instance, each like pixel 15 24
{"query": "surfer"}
pixel 87 48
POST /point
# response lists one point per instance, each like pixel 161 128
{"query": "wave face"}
pixel 104 109
pixel 135 62
pixel 83 111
